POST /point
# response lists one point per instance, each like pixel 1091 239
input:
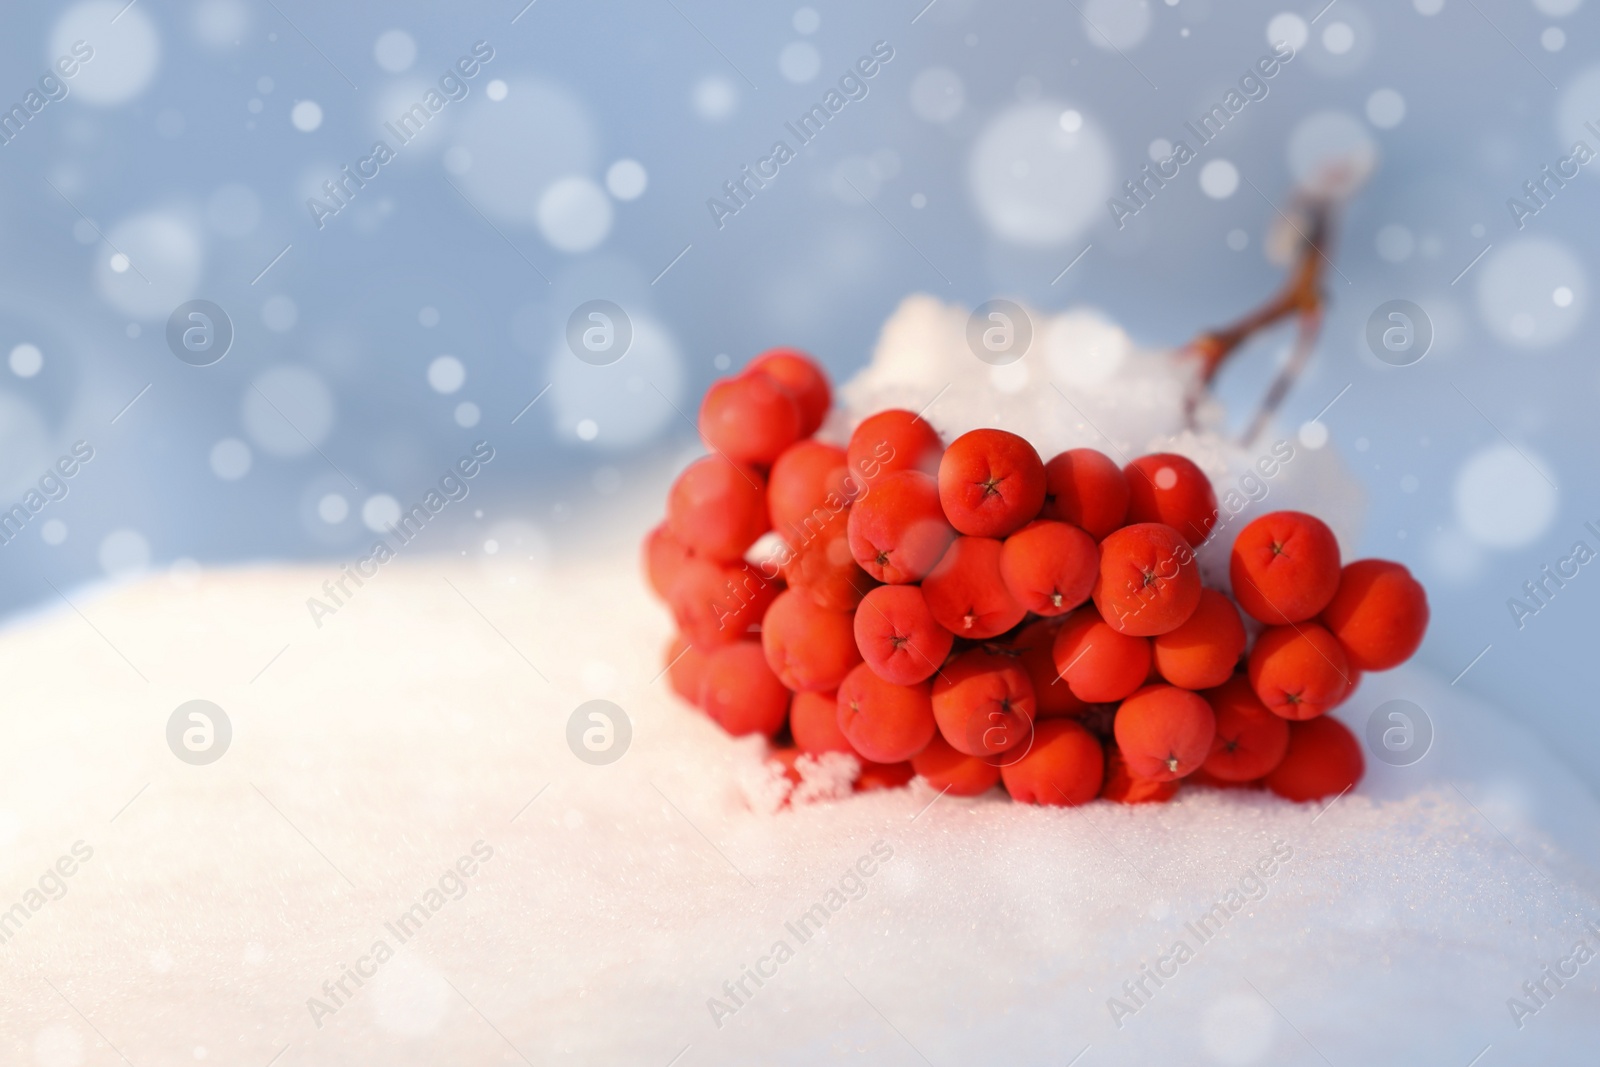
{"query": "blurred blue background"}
pixel 374 344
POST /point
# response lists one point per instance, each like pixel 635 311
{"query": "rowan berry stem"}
pixel 1301 297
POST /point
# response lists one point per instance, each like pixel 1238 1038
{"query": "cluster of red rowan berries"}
pixel 975 615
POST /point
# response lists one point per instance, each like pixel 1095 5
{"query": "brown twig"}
pixel 1301 297
pixel 1305 342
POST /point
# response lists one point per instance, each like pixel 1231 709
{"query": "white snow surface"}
pixel 430 713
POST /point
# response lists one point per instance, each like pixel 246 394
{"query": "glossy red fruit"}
pixel 814 721
pixel 892 441
pixel 884 722
pixel 991 483
pixel 1164 732
pixel 898 531
pixel 1098 664
pixel 1354 683
pixel 1053 698
pixel 821 566
pixel 785 759
pixel 898 636
pixel 1379 614
pixel 808 647
pixel 1123 787
pixel 1064 767
pixel 663 554
pixel 1204 651
pixel 717 509
pixel 807 489
pixel 954 772
pixel 966 594
pixel 741 693
pixel 715 604
pixel 1049 567
pixel 1299 672
pixel 1084 487
pixel 875 776
pixel 1324 759
pixel 983 702
pixel 1149 580
pixel 1284 567
pixel 1206 778
pixel 686 668
pixel 749 419
pixel 1168 488
pixel 1250 740
pixel 803 378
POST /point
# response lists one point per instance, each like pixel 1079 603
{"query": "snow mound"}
pixel 404 857
pixel 623 902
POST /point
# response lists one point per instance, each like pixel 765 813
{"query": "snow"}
pixel 371 755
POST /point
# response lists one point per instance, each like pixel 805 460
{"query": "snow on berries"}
pixel 977 616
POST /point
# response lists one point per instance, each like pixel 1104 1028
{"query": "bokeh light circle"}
pixel 625 403
pixel 126 52
pixel 1034 182
pixel 1520 292
pixel 288 411
pixel 574 214
pixel 1501 500
pixel 161 262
